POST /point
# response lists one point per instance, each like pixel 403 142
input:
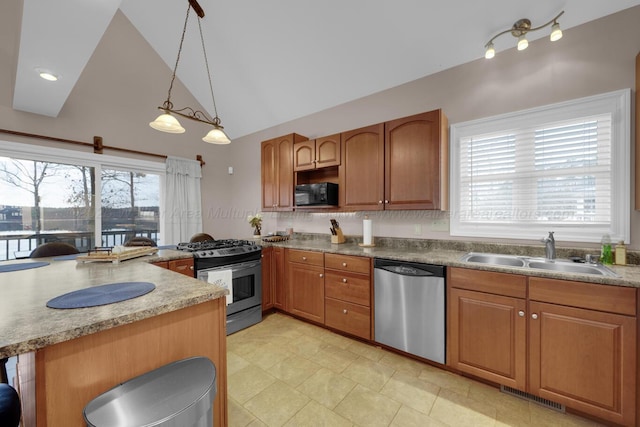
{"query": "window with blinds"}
pixel 562 168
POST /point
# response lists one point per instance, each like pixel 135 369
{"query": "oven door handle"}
pixel 238 267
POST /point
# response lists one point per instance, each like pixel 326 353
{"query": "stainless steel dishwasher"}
pixel 410 307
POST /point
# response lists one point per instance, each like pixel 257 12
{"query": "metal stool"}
pixel 10 410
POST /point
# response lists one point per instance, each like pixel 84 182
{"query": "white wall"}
pixel 117 95
pixel 593 58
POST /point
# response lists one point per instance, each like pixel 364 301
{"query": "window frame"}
pixel 97 161
pixel 618 104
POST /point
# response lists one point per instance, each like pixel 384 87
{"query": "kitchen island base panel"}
pixel 72 373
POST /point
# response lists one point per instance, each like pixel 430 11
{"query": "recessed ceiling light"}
pixel 47 75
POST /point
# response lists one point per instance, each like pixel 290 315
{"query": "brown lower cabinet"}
pixel 273 283
pixel 570 342
pixel 182 266
pixel 305 277
pixel 348 287
pixel 328 289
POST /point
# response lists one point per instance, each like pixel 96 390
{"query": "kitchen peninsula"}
pixel 80 353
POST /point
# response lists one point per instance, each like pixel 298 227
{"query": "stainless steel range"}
pixel 241 261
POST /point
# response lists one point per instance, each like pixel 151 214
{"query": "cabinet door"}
pixel 585 359
pixel 487 336
pixel 279 280
pixel 412 162
pixel 306 291
pixel 328 151
pixel 183 266
pixel 277 172
pixel 284 200
pixel 304 155
pixel 268 271
pixel 362 169
pixel 269 166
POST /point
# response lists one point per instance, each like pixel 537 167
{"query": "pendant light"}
pixel 166 122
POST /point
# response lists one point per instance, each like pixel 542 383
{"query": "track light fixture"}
pixel 166 122
pixel 520 30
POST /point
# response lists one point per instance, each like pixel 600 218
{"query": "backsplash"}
pixel 633 257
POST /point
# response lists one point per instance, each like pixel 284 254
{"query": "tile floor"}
pixel 285 372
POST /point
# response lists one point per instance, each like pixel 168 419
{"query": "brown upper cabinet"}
pixel 315 154
pixel 362 169
pixel 400 164
pixel 637 131
pixel 416 162
pixel 277 172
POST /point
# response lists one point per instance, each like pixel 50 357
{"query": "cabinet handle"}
pixel 344 280
pixel 344 264
pixel 379 202
pixel 321 275
pixel 345 311
pixel 521 313
pixel 386 201
pixel 304 258
pixel 534 316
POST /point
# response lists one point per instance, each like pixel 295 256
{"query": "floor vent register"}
pixel 539 400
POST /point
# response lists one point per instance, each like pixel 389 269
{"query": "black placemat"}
pixel 101 295
pixel 22 266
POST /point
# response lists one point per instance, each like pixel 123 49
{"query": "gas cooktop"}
pixel 219 248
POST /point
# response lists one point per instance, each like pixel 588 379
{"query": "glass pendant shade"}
pixel 167 123
pixel 490 52
pixel 556 32
pixel 216 136
pixel 523 43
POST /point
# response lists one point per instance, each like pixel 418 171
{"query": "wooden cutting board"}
pixel 127 253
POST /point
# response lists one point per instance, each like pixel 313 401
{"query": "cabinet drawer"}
pixel 355 264
pixel 163 264
pixel 351 318
pixel 510 285
pixel 184 266
pixel 306 257
pixel 348 287
pixel 613 299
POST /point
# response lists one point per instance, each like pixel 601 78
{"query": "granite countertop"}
pixel 27 324
pixel 431 252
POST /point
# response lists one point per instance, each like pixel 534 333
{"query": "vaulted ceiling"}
pixel 272 62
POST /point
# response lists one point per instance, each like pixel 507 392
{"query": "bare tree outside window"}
pixel 29 175
pixel 130 202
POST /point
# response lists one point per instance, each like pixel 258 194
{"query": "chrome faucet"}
pixel 549 246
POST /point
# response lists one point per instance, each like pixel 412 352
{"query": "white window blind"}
pixel 562 168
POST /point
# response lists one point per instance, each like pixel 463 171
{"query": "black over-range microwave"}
pixel 324 193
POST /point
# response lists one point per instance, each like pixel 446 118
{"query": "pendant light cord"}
pixel 206 62
pixel 168 103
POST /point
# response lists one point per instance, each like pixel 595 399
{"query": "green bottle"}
pixel 606 257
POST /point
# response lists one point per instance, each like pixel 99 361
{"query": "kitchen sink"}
pixel 495 259
pixel 563 266
pixel 572 267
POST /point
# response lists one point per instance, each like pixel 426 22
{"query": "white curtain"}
pixel 183 205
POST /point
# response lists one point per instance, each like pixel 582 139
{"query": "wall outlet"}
pixel 440 225
pixel 417 229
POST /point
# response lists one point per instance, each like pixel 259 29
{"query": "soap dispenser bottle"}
pixel 606 257
pixel 621 253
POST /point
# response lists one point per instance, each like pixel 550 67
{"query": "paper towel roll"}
pixel 367 231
